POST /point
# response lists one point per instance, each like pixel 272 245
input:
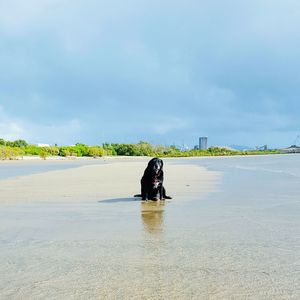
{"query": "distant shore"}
pixel 20 148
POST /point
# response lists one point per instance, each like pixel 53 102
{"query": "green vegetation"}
pixel 7 152
pixel 19 148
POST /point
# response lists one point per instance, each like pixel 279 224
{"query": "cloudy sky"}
pixel 166 72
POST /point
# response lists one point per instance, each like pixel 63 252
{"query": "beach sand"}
pixel 102 182
pixel 79 233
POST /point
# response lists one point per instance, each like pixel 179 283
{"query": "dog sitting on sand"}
pixel 152 181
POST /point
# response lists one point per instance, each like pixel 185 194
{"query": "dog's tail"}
pixel 138 195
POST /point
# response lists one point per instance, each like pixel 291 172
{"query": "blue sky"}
pixel 161 71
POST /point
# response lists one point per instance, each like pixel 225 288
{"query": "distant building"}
pixel 203 143
pixel 43 145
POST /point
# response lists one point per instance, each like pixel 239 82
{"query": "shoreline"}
pixel 125 157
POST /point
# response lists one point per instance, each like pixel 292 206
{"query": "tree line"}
pixel 20 148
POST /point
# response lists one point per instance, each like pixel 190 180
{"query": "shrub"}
pixel 95 151
pixel 44 152
pixel 7 152
pixel 64 151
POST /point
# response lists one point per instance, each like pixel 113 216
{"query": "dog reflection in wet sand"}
pixel 152 215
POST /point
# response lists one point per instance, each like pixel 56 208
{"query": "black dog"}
pixel 152 181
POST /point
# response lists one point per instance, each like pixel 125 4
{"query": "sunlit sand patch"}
pixel 99 182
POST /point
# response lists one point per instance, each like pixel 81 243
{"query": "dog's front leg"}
pixel 161 192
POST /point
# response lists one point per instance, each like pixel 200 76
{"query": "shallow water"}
pixel 10 169
pixel 240 242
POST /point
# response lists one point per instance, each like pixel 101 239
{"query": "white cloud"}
pixel 18 16
pixel 11 130
pixel 61 132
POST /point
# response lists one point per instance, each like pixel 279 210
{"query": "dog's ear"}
pixel 151 161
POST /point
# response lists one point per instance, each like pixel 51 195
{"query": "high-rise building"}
pixel 203 143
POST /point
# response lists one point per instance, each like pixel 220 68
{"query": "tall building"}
pixel 203 143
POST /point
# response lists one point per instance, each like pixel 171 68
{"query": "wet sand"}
pixel 113 180
pixel 79 233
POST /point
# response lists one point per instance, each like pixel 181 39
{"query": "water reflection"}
pixel 152 213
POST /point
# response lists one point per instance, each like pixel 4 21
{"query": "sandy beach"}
pixel 231 230
pixel 99 182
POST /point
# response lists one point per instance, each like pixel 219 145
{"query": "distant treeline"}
pixel 19 148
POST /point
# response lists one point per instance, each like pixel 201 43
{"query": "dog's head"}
pixel 155 165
